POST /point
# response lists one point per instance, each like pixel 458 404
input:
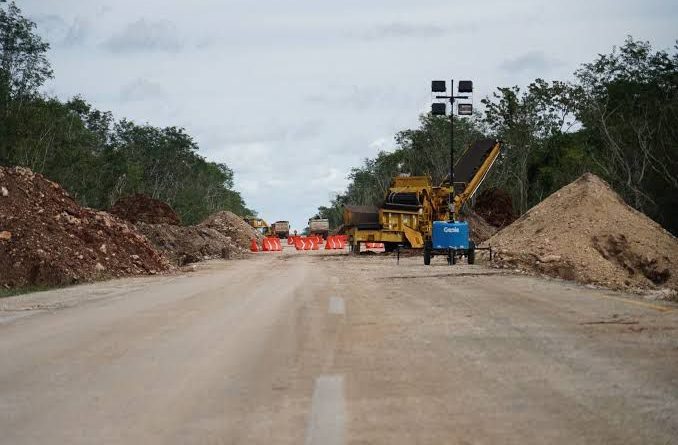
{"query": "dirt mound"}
pixel 479 229
pixel 190 244
pixel 233 226
pixel 46 238
pixel 585 232
pixel 143 208
pixel 495 206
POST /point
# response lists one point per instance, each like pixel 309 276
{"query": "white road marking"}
pixel 328 413
pixel 337 306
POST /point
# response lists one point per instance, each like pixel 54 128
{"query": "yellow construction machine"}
pixel 260 226
pixel 413 203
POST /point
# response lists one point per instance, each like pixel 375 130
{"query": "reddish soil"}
pixel 48 239
pixel 495 206
pixel 143 208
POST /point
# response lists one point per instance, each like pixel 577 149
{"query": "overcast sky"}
pixel 292 94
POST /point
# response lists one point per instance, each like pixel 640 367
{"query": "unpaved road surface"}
pixel 327 349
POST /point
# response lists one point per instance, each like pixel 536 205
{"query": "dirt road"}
pixel 318 349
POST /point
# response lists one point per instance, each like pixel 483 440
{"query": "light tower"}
pixel 464 108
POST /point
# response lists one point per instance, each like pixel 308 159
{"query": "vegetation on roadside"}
pixel 618 118
pixel 93 156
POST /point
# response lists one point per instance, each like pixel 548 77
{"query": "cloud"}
pixel 59 32
pixel 404 30
pixel 145 36
pixel 77 33
pixel 141 89
pixel 533 61
pixel 361 97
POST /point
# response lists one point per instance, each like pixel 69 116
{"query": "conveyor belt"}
pixel 362 217
pixel 408 201
pixel 472 159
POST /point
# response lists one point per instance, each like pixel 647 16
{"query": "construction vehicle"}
pixel 281 229
pixel 319 227
pixel 260 226
pixel 414 210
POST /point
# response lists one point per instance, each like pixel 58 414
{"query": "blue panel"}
pixel 450 235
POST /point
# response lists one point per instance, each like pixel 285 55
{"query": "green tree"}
pixel 23 55
pixel 628 101
pixel 526 121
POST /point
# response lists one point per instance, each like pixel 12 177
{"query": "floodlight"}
pixel 438 86
pixel 466 86
pixel 465 109
pixel 439 109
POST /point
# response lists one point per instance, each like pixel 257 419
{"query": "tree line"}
pixel 617 118
pixel 95 157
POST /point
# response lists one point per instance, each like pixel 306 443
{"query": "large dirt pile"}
pixel 46 238
pixel 143 208
pixel 585 232
pixel 233 226
pixel 479 229
pixel 190 244
pixel 495 206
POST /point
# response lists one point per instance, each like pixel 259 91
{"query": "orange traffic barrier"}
pixel 253 246
pixel 334 243
pixel 266 245
pixel 271 244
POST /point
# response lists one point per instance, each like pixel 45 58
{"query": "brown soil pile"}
pixel 233 226
pixel 585 232
pixel 495 206
pixel 479 229
pixel 143 208
pixel 46 238
pixel 190 244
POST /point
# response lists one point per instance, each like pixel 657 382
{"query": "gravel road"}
pixel 329 349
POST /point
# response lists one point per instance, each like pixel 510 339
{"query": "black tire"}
pixel 471 254
pixel 454 258
pixel 427 254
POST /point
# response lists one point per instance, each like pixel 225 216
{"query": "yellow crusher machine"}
pixel 413 203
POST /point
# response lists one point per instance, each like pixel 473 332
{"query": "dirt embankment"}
pixel 142 208
pixel 233 226
pixel 479 229
pixel 586 232
pixel 46 238
pixel 189 244
pixel 182 244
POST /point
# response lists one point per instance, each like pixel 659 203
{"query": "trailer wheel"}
pixel 427 254
pixel 471 255
pixel 454 258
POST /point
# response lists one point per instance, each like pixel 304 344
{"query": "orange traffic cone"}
pixel 253 246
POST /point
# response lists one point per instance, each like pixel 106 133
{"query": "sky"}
pixel 292 94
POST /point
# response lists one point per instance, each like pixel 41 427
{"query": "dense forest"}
pixel 96 158
pixel 617 118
